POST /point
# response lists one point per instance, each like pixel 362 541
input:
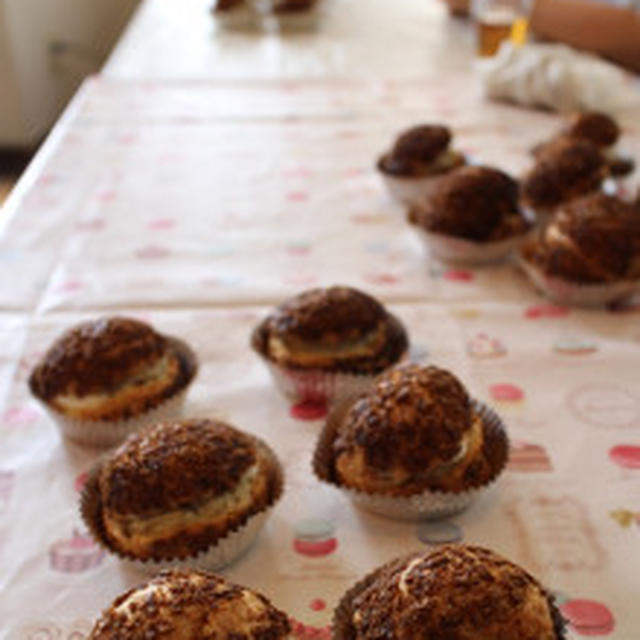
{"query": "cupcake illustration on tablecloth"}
pixel 626 518
pixel 574 346
pixel 302 631
pixel 626 456
pixel 483 346
pixel 314 538
pixel 528 457
pixel 505 394
pixel 78 630
pixel 76 554
pixel 588 617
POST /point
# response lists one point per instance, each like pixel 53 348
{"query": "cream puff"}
pixel 110 369
pixel 564 170
pixel 418 155
pixel 415 430
pixel 472 203
pixel 454 591
pixel 337 329
pixel 173 490
pixel 592 240
pixel 190 605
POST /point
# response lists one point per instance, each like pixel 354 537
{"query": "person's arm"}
pixel 610 31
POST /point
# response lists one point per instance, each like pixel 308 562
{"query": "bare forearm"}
pixel 613 32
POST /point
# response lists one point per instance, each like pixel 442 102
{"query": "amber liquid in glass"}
pixel 491 33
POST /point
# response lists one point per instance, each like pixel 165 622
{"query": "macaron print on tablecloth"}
pixel 197 207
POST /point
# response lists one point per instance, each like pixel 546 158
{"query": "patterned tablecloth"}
pixel 196 206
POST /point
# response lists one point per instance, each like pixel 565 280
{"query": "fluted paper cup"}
pixel 468 252
pixel 566 292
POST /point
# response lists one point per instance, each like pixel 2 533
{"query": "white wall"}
pixel 45 81
pixel 12 124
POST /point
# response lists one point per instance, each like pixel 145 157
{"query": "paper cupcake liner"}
pixel 570 293
pixel 218 554
pixel 409 190
pixel 428 505
pixel 341 625
pixel 462 251
pixel 316 386
pixel 108 433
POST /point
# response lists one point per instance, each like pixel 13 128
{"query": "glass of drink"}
pixel 499 20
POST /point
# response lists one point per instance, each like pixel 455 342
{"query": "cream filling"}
pixel 306 352
pixel 148 377
pixel 445 160
pixel 131 529
pixel 402 584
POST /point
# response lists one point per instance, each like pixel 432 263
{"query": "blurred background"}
pixel 46 50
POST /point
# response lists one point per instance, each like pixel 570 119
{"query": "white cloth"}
pixel 557 77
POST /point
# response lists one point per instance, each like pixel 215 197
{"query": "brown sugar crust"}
pixel 595 127
pixel 564 170
pixel 190 605
pixel 455 592
pixel 595 239
pixel 328 315
pixel 416 149
pixel 410 422
pixel 96 355
pixel 485 457
pixel 476 203
pixel 175 467
pixel 292 6
pixel 329 318
pixel 111 369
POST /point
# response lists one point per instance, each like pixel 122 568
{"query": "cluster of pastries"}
pixel 177 489
pixel 455 591
pixel 552 217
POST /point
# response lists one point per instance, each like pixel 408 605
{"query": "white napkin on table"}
pixel 559 78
